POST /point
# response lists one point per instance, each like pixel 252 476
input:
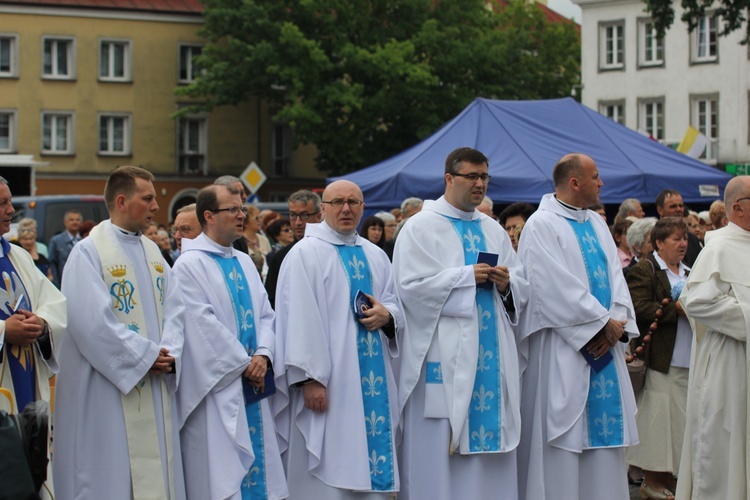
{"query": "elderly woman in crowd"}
pixel 256 242
pixel 29 223
pixel 373 228
pixel 655 283
pixel 27 241
pixel 639 239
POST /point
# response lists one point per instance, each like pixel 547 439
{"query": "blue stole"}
pixel 604 403
pixel 254 484
pixel 20 357
pixel 372 374
pixel 485 410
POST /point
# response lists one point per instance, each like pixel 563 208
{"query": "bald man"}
pixel 337 402
pixel 577 404
pixel 716 298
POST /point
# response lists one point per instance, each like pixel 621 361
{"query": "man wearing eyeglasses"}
pixel 229 335
pixel 304 208
pixel 342 412
pixel 459 374
pixel 185 225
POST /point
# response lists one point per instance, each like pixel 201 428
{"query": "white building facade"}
pixel 661 87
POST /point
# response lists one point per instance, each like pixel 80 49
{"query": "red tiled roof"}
pixel 160 6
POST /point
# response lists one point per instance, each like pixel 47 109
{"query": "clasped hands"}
pixel 163 364
pixel 256 371
pixel 612 332
pixel 499 275
pixel 23 327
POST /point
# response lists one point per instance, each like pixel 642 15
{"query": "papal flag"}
pixel 693 144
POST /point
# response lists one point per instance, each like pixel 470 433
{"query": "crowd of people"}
pixel 435 351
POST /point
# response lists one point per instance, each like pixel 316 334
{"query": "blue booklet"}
pixel 596 364
pixel 253 395
pixel 361 304
pixel 487 258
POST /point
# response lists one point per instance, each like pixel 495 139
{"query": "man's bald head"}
pixel 343 206
pixel 737 200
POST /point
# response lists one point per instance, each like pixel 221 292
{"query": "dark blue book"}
pixel 487 258
pixel 361 304
pixel 253 395
pixel 596 364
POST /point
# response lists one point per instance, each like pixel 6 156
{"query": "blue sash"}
pixel 485 410
pixel 20 357
pixel 254 484
pixel 604 404
pixel 377 407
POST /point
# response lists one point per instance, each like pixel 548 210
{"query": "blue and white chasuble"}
pixel 254 485
pixel 20 357
pixel 604 403
pixel 372 371
pixel 485 409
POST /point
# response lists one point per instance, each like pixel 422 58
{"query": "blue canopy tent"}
pixel 523 140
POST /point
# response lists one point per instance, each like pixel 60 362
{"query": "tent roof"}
pixel 523 140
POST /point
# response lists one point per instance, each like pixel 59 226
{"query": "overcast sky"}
pixel 566 8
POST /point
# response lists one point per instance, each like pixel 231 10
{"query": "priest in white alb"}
pixel 32 321
pixel 339 414
pixel 577 404
pixel 229 445
pixel 115 433
pixel 715 461
pixel 459 386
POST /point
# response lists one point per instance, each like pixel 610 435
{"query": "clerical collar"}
pixel 568 205
pixel 125 231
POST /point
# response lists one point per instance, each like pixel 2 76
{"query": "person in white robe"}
pixel 32 320
pixel 459 360
pixel 337 407
pixel 577 403
pixel 115 432
pixel 715 454
pixel 229 447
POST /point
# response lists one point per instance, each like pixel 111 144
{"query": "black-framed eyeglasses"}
pixel 302 215
pixel 231 210
pixel 340 202
pixel 475 177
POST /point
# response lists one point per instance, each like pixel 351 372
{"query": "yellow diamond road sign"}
pixel 253 177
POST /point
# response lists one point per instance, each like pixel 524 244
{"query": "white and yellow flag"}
pixel 693 144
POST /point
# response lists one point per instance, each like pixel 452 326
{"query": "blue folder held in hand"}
pixel 253 395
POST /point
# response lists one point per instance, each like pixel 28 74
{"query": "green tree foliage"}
pixel 732 13
pixel 365 79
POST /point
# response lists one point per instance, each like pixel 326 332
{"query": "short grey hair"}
pixel 385 216
pixel 411 202
pixel 304 196
pixel 162 233
pixel 627 206
pixel 488 201
pixel 186 208
pixel 637 231
pixel 3 181
pixel 227 180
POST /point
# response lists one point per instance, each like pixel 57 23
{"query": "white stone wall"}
pixel 675 81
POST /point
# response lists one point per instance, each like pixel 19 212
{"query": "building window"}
pixel 281 149
pixel 188 68
pixel 58 59
pixel 114 60
pixel 705 117
pixel 8 55
pixel 192 143
pixel 704 46
pixel 7 131
pixel 57 133
pixel 114 134
pixel 615 111
pixel 651 118
pixel 651 47
pixel 612 45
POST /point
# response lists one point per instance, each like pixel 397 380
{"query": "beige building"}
pixel 86 85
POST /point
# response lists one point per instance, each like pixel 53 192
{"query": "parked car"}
pixel 49 211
